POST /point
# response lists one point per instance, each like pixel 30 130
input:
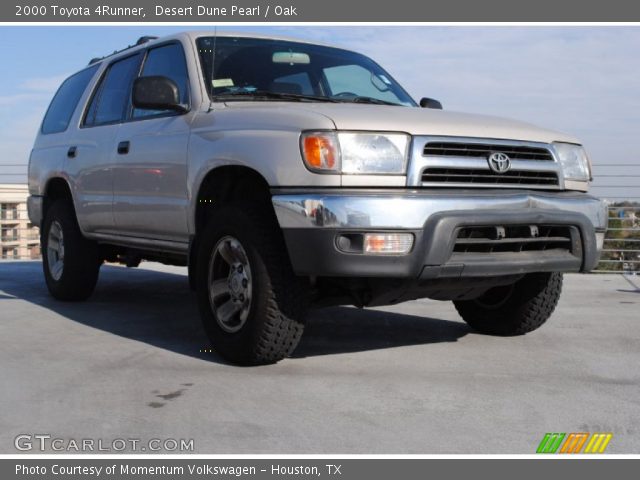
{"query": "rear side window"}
pixel 113 96
pixel 65 101
pixel 167 61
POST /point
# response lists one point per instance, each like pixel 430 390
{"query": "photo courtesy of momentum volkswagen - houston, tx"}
pixel 288 176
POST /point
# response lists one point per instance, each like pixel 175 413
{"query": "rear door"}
pixel 95 144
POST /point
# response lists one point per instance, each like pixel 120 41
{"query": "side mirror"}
pixel 157 93
pixel 427 102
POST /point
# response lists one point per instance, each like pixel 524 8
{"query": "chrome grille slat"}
pixel 486 176
pixel 515 152
pixel 478 172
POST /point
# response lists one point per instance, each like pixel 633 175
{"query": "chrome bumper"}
pixel 412 209
pixel 312 221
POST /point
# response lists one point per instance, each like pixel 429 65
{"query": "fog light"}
pixel 388 243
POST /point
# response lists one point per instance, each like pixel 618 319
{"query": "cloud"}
pixel 21 117
pixel 17 137
pixel 43 84
pixel 22 99
pixel 33 90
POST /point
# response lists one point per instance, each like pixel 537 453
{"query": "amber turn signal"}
pixel 320 151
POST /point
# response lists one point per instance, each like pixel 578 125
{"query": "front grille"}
pixel 487 177
pixel 513 238
pixel 482 150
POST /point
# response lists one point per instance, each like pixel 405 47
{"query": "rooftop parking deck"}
pixel 132 362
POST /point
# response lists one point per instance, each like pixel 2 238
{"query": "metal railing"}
pixel 621 252
pixel 17 169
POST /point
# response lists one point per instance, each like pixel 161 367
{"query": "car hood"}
pixel 413 120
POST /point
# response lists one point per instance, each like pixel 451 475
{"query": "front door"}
pixel 150 159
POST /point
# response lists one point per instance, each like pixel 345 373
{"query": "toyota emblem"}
pixel 499 162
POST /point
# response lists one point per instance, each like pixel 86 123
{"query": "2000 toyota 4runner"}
pixel 289 175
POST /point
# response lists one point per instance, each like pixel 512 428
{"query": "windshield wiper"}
pixel 371 100
pixel 267 95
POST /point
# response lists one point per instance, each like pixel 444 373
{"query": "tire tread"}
pixel 532 302
pixel 82 260
pixel 281 327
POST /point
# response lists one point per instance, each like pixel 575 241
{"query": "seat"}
pixel 285 87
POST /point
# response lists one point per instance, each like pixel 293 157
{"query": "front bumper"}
pixel 312 221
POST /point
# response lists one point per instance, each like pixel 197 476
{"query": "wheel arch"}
pixel 227 183
pixel 56 188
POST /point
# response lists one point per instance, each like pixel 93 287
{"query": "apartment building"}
pixel 19 239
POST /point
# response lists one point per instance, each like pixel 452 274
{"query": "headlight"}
pixel 355 153
pixel 368 153
pixel 574 161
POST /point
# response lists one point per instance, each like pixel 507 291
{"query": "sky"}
pixel 584 81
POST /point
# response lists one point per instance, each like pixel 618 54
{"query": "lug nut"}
pixel 239 268
pixel 244 282
pixel 241 298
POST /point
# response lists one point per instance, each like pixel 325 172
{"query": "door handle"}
pixel 71 153
pixel 123 147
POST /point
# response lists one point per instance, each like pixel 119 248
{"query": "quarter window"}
pixel 65 101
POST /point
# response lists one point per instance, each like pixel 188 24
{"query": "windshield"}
pixel 237 68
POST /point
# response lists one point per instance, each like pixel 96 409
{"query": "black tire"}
pixel 273 318
pixel 80 260
pixel 515 309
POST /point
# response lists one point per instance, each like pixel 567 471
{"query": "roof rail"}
pixel 141 40
pixel 145 39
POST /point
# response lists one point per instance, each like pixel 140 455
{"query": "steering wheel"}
pixel 345 94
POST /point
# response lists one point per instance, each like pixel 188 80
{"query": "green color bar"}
pixel 550 442
pixel 543 443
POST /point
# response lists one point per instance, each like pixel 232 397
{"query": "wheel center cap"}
pixel 235 283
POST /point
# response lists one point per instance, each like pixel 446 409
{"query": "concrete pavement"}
pixel 132 363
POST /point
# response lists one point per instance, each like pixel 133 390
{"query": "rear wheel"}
pixel 252 305
pixel 70 262
pixel 514 309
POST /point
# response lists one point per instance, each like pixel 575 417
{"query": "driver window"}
pixel 167 61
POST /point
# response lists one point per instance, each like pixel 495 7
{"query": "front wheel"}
pixel 251 303
pixel 514 309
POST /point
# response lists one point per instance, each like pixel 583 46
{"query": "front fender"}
pixel 275 155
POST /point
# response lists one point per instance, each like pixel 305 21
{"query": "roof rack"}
pixel 140 41
pixel 145 39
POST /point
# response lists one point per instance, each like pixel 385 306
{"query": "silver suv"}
pixel 289 175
